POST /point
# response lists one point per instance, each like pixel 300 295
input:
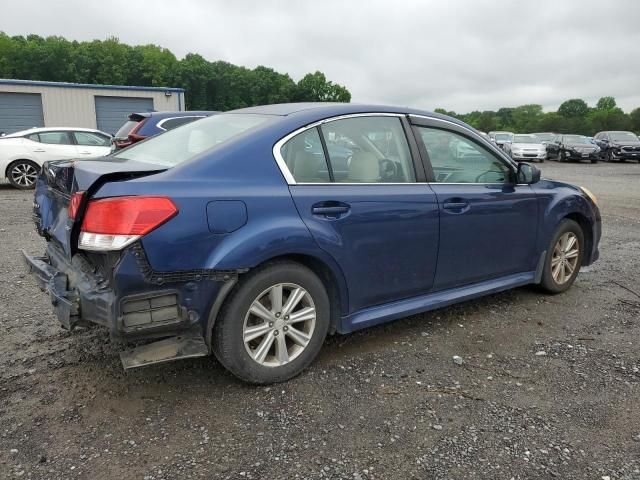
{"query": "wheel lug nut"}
pixel 285 328
pixel 286 317
pixel 278 314
pixel 275 334
pixel 271 324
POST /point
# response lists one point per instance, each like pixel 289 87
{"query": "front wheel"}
pixel 23 174
pixel 564 257
pixel 273 325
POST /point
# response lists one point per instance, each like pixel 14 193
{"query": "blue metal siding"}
pixel 19 111
pixel 112 112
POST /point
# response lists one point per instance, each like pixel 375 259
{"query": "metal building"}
pixel 29 103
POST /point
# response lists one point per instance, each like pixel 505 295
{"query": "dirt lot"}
pixel 549 387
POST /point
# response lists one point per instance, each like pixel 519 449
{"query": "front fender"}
pixel 559 201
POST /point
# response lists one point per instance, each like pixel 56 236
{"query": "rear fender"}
pixel 261 241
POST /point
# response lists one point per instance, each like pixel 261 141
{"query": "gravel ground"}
pixel 548 388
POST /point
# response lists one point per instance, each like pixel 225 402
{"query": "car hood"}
pixel 625 144
pixel 581 145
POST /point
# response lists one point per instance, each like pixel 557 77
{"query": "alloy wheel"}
pixel 24 174
pixel 279 324
pixel 565 258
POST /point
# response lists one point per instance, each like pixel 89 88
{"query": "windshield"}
pixel 185 142
pixel 623 137
pixel 576 139
pixel 503 136
pixel 545 137
pixel 525 139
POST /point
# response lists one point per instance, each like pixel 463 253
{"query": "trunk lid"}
pixel 59 180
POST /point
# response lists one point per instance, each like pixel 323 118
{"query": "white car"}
pixel 524 147
pixel 23 153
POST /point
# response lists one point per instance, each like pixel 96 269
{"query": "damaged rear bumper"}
pixel 133 303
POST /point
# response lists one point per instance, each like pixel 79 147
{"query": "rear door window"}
pixel 370 149
pixel 91 139
pixel 55 138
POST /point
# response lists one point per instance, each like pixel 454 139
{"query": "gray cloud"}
pixel 460 55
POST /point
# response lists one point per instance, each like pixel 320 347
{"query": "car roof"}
pixel 320 110
pixel 165 114
pixel 22 133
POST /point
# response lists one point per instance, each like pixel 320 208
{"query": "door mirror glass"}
pixel 528 174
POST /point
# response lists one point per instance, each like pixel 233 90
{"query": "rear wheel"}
pixel 23 174
pixel 564 257
pixel 560 156
pixel 274 324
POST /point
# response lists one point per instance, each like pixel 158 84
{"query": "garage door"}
pixel 19 111
pixel 112 112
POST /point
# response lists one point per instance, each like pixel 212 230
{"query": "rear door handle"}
pixel 455 207
pixel 85 153
pixel 330 209
pixel 39 150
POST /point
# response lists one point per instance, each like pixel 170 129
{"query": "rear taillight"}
pixel 133 134
pixel 114 223
pixel 74 204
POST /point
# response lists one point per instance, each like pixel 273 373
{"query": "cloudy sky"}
pixel 460 55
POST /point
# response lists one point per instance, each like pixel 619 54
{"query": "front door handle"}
pixel 39 150
pixel 85 153
pixel 330 209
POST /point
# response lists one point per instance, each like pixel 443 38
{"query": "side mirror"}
pixel 527 174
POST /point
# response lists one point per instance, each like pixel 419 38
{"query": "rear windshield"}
pixel 176 146
pixel 125 129
pixel 503 136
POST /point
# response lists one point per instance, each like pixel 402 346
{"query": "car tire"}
pixel 563 261
pixel 560 156
pixel 608 157
pixel 272 352
pixel 22 174
pixel 594 160
pixel 542 160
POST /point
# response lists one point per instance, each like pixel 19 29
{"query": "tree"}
pixel 314 87
pixel 635 119
pixel 606 103
pixel 573 108
pixel 487 121
pixel 208 85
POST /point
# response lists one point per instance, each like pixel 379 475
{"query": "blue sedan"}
pixel 255 233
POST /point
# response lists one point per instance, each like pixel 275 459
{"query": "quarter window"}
pixel 456 159
pixel 305 158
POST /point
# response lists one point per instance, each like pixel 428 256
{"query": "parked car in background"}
pixel 499 138
pixel 23 153
pixel 147 124
pixel 524 146
pixel 573 148
pixel 232 235
pixel 618 146
pixel 545 137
